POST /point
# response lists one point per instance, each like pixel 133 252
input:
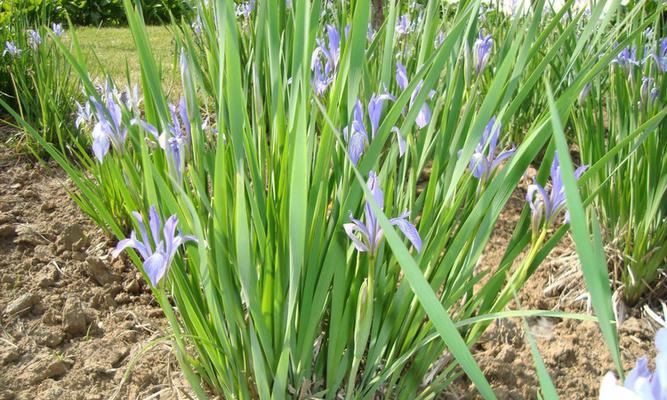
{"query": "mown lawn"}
pixel 112 51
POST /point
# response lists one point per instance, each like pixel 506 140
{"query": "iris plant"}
pixel 175 139
pixel 649 92
pixel 158 250
pixel 584 93
pixel 355 133
pixel 11 48
pixel 424 115
pixel 482 52
pixel 403 25
pixel 627 59
pixel 58 29
pixel 245 9
pixel 641 383
pixel 484 161
pixel 324 61
pixel 547 206
pixel 109 127
pixel 367 236
pixel 34 39
pixel 661 56
pixel 84 114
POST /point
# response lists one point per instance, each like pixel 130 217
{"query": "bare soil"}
pixel 75 324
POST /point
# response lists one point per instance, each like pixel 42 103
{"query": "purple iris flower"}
pixel 627 59
pixel 403 25
pixel 424 115
pixel 484 161
pixel 109 128
pixel 370 234
pixel 482 52
pixel 355 133
pixel 84 114
pixel 648 33
pixel 174 141
pixel 439 39
pixel 158 253
pixel 649 92
pixel 57 29
pixel 324 60
pixel 370 33
pixel 584 93
pixel 245 9
pixel 34 39
pixel 375 106
pixel 130 98
pixel 660 56
pixel 402 143
pixel 549 205
pixel 11 48
pixel 641 383
pixel 197 25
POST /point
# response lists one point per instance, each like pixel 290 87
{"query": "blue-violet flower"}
pixel 484 161
pixel 546 206
pixel 370 233
pixel 641 383
pixel 424 115
pixel 157 254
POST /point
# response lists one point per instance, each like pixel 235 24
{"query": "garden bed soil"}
pixel 76 324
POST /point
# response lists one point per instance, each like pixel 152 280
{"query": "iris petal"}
pixel 155 267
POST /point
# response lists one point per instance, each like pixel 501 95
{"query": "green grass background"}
pixel 113 51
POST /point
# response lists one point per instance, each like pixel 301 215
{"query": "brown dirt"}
pixel 74 324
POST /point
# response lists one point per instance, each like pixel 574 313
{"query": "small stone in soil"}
pixel 97 270
pixel 47 368
pixel 74 319
pixel 48 276
pixel 102 299
pixel 506 354
pixel 49 337
pixel 50 317
pixel 48 207
pixel 132 286
pixel 6 394
pixel 52 393
pixel 122 298
pixel 26 234
pixel 6 218
pixel 9 356
pixel 7 231
pixel 72 238
pixel 22 305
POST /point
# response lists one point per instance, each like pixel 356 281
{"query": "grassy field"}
pixel 112 51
